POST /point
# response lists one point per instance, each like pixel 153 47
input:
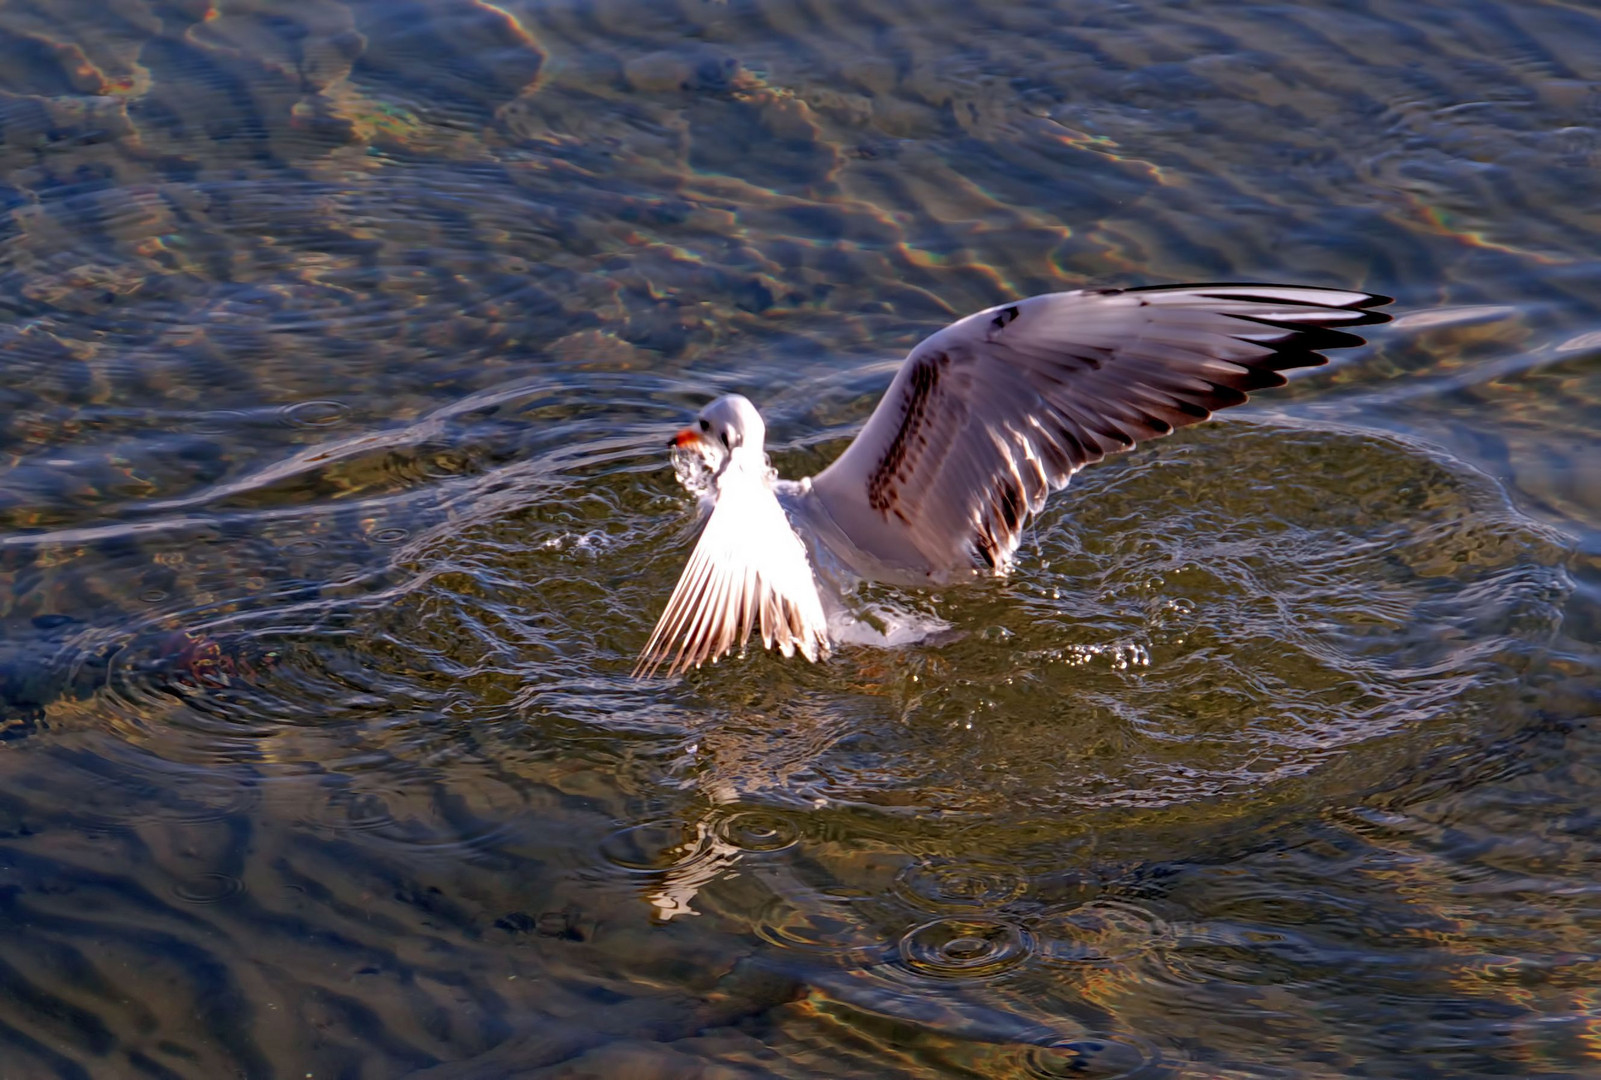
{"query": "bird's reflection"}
pixel 750 772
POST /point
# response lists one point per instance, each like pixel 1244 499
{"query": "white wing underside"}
pixel 748 571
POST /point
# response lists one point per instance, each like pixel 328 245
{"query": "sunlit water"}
pixel 339 343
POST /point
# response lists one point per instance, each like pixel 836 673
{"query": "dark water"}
pixel 338 344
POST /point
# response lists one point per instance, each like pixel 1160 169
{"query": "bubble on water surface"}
pixel 965 948
pixel 758 830
pixel 208 888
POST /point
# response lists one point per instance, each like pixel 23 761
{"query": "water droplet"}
pixel 302 547
pixel 388 536
pixel 758 830
pixel 315 414
pixel 966 948
pixel 1103 1057
pixel 208 888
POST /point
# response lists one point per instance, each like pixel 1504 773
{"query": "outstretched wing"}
pixel 749 570
pixel 991 414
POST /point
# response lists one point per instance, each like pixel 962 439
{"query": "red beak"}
pixel 687 436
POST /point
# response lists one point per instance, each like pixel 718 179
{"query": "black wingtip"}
pixel 1238 290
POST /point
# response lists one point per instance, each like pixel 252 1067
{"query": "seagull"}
pixel 983 420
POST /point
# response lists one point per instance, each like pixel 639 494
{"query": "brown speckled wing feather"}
pixel 991 414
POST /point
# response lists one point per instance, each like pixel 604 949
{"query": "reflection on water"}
pixel 338 343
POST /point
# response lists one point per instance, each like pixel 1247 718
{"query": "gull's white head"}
pixel 727 430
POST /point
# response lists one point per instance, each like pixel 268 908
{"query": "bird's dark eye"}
pixel 705 425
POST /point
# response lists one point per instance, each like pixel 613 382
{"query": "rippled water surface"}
pixel 339 342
